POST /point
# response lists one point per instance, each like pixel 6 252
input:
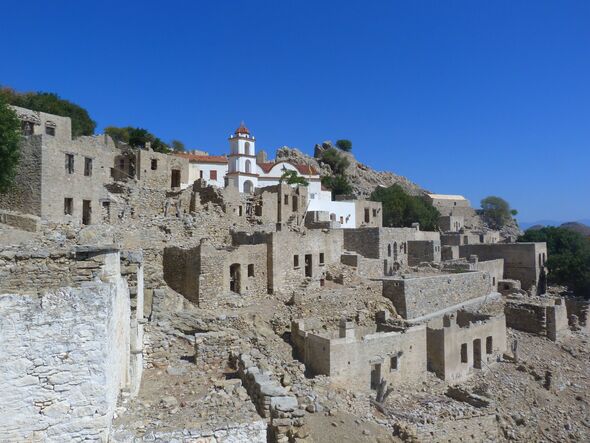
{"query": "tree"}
pixel 344 145
pixel 9 144
pixel 401 209
pixel 338 184
pixel 177 146
pixel 137 137
pixel 569 257
pixel 337 162
pixel 51 103
pixel 496 211
pixel 292 178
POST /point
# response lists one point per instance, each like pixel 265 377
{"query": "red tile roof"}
pixel 242 129
pixel 203 158
pixel 302 168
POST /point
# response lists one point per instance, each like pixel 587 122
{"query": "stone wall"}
pixel 65 357
pixel 414 297
pixel 461 342
pixel 272 401
pixel 154 169
pixel 546 317
pixel 287 272
pixel 204 274
pixel 24 222
pixel 58 184
pixel 390 244
pixel 359 356
pixel 71 342
pixel 25 194
pixel 420 251
pixel 522 261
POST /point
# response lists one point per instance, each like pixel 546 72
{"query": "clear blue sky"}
pixel 470 97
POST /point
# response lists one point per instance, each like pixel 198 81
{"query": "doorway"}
pixel 477 353
pixel 234 278
pixel 375 375
pixel 294 202
pixel 308 265
pixel 175 178
pixel 86 212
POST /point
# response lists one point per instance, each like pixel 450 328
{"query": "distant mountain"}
pixel 578 227
pixel 582 226
pixel 538 224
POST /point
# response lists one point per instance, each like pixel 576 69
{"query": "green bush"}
pixel 51 103
pixel 292 178
pixel 401 209
pixel 569 257
pixel 9 144
pixel 137 137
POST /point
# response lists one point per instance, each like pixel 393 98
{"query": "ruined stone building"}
pixel 363 356
pixel 60 179
pixel 71 341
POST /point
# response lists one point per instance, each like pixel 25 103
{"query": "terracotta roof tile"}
pixel 203 158
pixel 302 168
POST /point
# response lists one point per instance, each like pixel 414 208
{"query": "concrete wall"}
pixel 414 297
pixel 522 261
pixel 447 336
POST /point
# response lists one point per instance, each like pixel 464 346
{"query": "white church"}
pixel 241 169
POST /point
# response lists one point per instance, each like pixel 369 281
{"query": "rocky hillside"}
pixel 363 178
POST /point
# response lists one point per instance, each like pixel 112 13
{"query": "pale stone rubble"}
pixel 207 315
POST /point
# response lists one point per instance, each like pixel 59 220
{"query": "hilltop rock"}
pixel 363 178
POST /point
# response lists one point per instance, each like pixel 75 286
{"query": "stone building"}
pixel 394 247
pixel 538 315
pixel 70 342
pixel 61 179
pixel 418 297
pixel 271 262
pixel 461 342
pixel 362 356
pixel 448 204
pixel 522 261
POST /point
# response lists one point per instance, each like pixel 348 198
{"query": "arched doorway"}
pixel 234 278
pixel 248 187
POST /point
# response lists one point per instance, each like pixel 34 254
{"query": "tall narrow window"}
pixel 321 258
pixel 250 270
pixel 70 163
pixel 295 261
pixel 489 345
pixel 393 364
pixel 87 167
pixel 464 353
pixel 154 164
pixel 68 206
